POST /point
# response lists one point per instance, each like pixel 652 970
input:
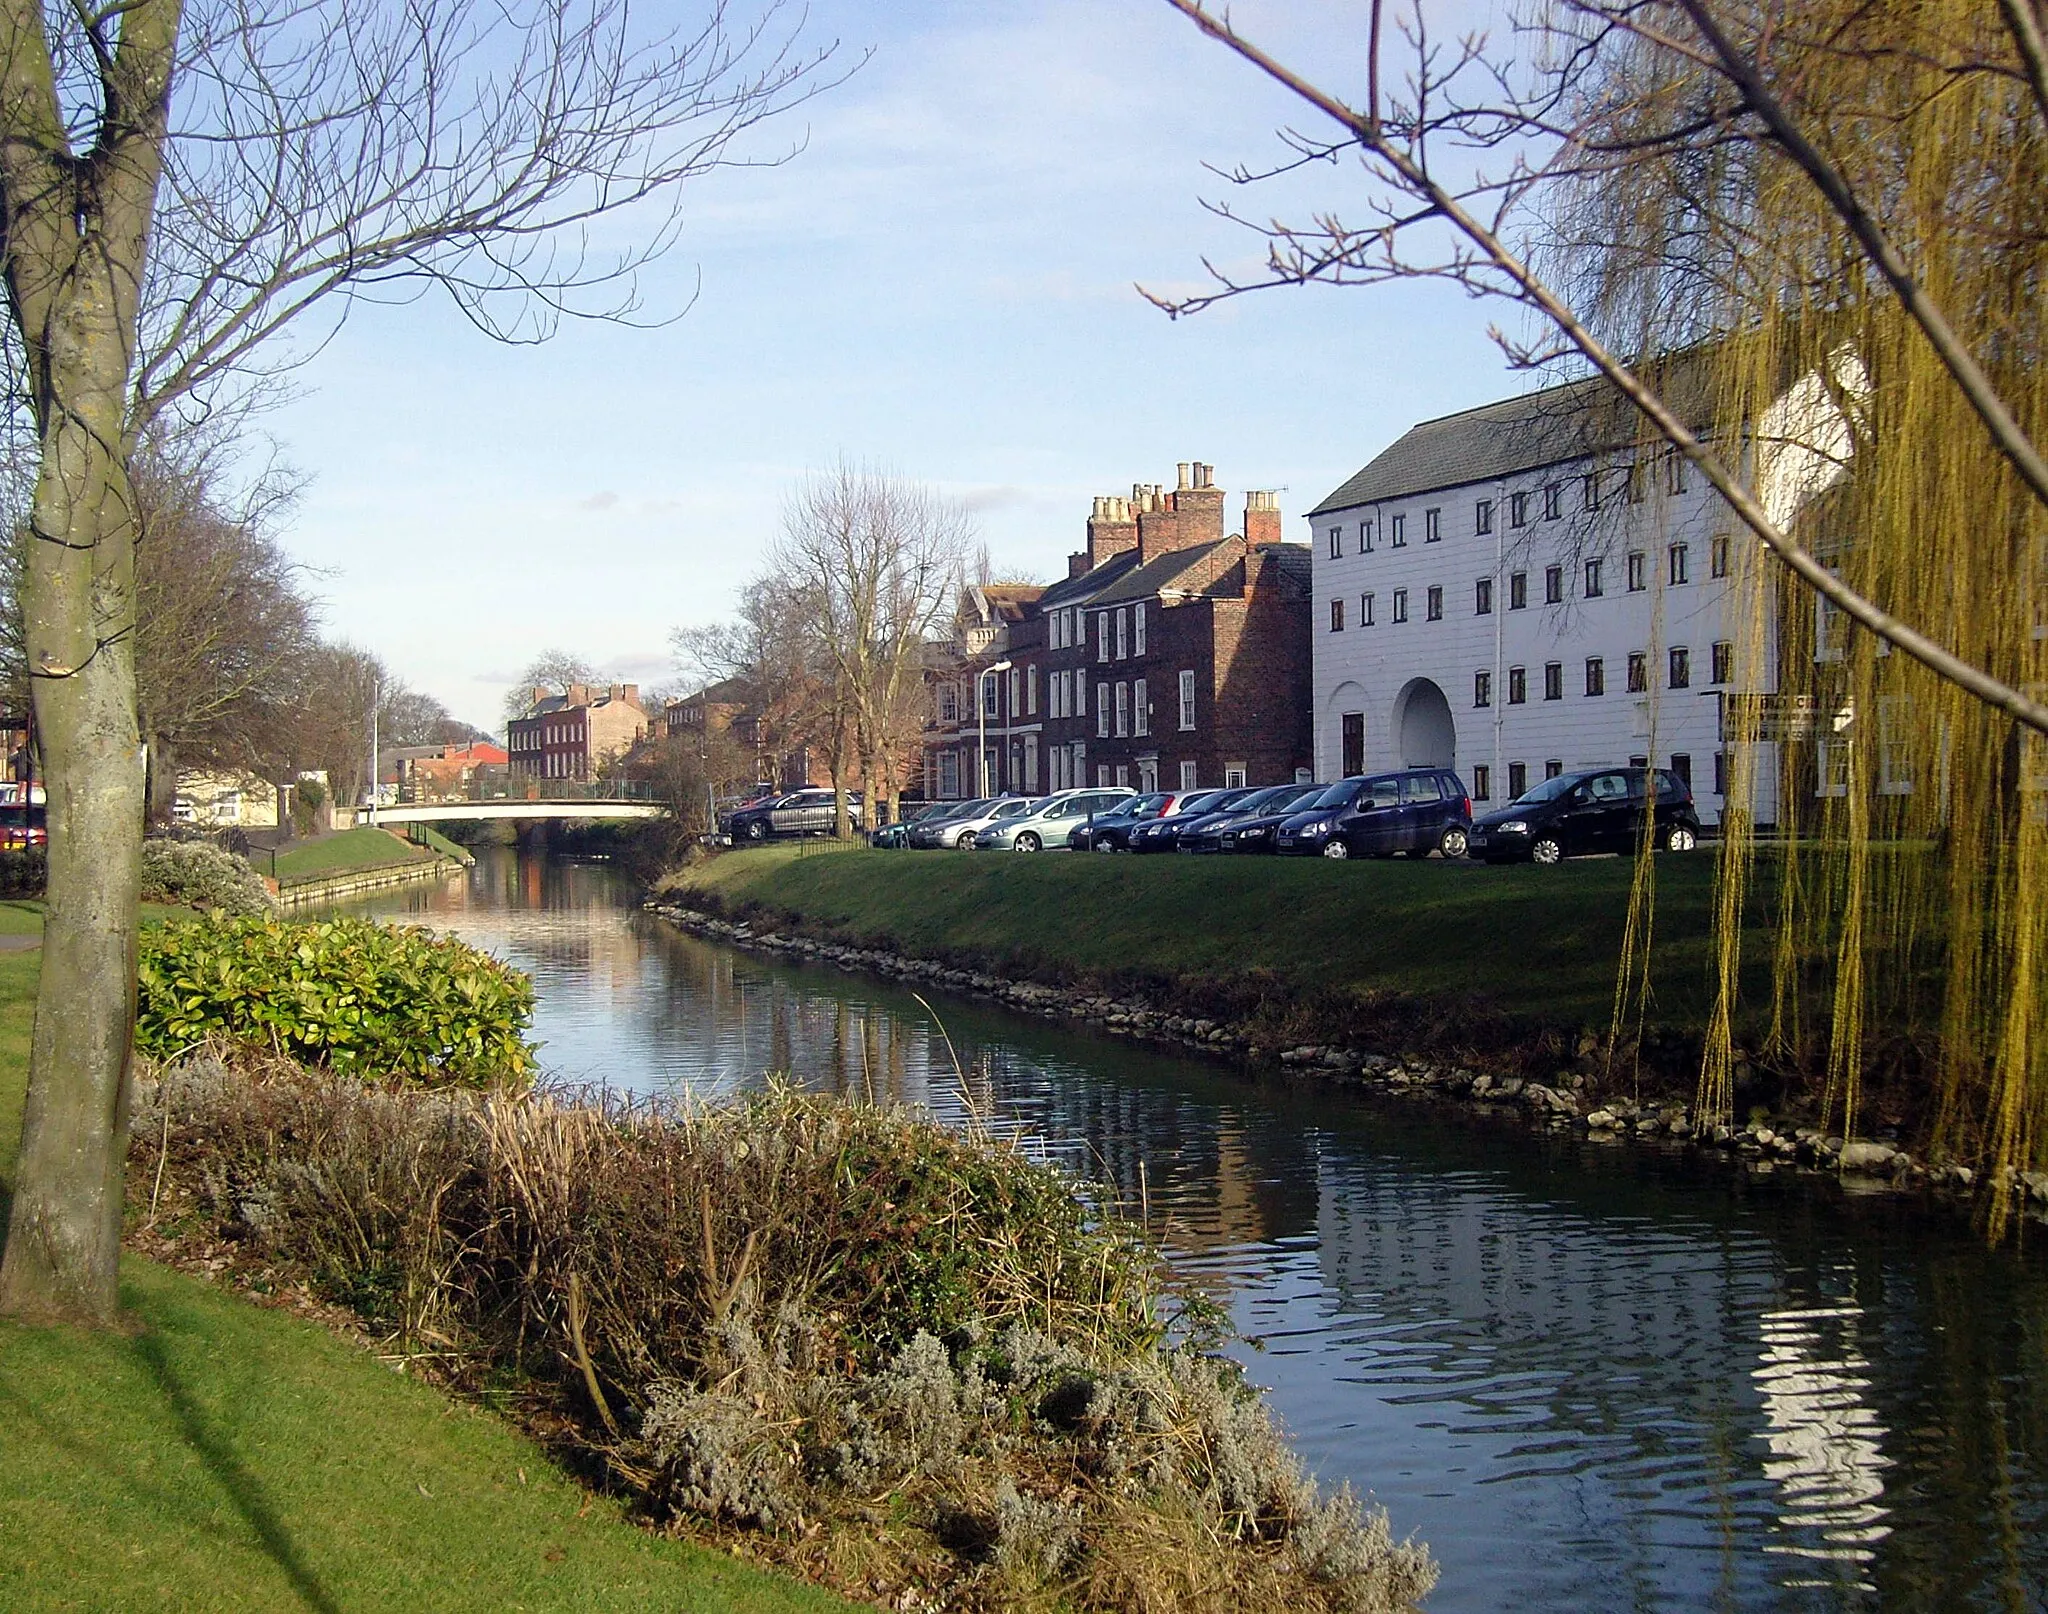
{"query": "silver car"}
pixel 1049 820
pixel 966 831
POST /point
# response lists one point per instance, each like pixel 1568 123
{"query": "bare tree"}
pixel 552 669
pixel 872 565
pixel 181 183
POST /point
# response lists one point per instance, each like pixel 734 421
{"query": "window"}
pixel 1518 591
pixel 1400 605
pixel 1336 543
pixel 1337 614
pixel 1638 572
pixel 1553 768
pixel 1720 773
pixel 1831 767
pixel 1638 672
pixel 1482 517
pixel 1365 617
pixel 1518 685
pixel 1031 690
pixel 1123 710
pixel 1432 525
pixel 1635 482
pixel 1141 709
pixel 1138 629
pixel 1717 557
pixel 1589 491
pixel 1053 624
pixel 1397 531
pixel 1723 668
pixel 1595 585
pixel 1518 509
pixel 1016 692
pixel 1553 680
pixel 1102 635
pixel 1352 744
pixel 1482 782
pixel 1080 678
pixel 1102 776
pixel 1482 597
pixel 1674 471
pixel 1518 780
pixel 1187 700
pixel 1123 774
pixel 1553 501
pixel 949 703
pixel 1681 564
pixel 1187 776
pixel 1433 604
pixel 1148 776
pixel 1030 762
pixel 1596 676
pixel 1830 630
pixel 1365 537
pixel 1482 688
pixel 1681 764
pixel 1894 759
pixel 1123 635
pixel 1102 711
pixel 991 696
pixel 1553 585
pixel 1681 667
pixel 1233 778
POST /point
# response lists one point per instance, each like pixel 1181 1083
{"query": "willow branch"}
pixel 1943 662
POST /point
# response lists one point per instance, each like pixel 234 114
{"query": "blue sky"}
pixel 940 282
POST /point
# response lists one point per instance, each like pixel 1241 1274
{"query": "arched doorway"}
pixel 1342 751
pixel 1423 728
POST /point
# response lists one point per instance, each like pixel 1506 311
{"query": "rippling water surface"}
pixel 1589 1379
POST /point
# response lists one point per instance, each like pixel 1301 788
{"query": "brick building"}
pixel 996 622
pixel 575 735
pixel 1172 654
pixel 732 709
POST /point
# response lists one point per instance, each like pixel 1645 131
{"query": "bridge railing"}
pixel 518 787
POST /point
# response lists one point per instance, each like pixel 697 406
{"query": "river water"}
pixel 1590 1378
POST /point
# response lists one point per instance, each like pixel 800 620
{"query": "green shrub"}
pixel 363 998
pixel 23 874
pixel 199 874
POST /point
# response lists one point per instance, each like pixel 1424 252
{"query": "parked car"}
pixel 1254 832
pixel 1595 810
pixel 1111 831
pixel 1163 834
pixel 800 812
pixel 1208 835
pixel 1050 819
pixel 961 832
pixel 897 835
pixel 930 832
pixel 1417 811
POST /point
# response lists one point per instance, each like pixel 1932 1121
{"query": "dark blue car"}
pixel 1416 811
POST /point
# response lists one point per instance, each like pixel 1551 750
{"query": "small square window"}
pixel 1400 605
pixel 1553 501
pixel 1553 585
pixel 1397 531
pixel 1482 688
pixel 1553 768
pixel 1337 614
pixel 1433 604
pixel 1638 672
pixel 1482 517
pixel 1553 680
pixel 1638 571
pixel 1518 780
pixel 1432 525
pixel 1518 591
pixel 1482 597
pixel 1680 564
pixel 1595 583
pixel 1518 509
pixel 1681 667
pixel 1518 685
pixel 1723 668
pixel 1596 676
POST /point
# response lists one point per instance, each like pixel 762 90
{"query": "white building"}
pixel 1521 590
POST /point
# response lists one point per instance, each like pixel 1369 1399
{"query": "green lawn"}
pixel 1541 941
pixel 362 848
pixel 227 1457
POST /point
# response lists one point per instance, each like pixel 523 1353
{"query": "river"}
pixel 1590 1377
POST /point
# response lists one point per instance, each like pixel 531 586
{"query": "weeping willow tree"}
pixel 1832 211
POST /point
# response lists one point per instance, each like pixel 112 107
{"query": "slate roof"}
pixel 1516 434
pixel 1075 590
pixel 1142 582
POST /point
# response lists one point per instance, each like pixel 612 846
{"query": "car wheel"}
pixel 1680 839
pixel 1453 842
pixel 1335 848
pixel 757 831
pixel 1105 846
pixel 1027 842
pixel 1547 849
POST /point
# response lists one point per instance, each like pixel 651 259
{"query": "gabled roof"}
pixel 1080 590
pixel 1515 435
pixel 726 692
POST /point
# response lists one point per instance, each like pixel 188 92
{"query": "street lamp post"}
pixel 981 721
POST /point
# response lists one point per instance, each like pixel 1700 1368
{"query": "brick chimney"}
pixel 1262 518
pixel 1192 514
pixel 1112 528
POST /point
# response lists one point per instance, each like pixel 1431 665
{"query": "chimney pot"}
pixel 1184 469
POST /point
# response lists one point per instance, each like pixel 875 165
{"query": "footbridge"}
pixel 523 811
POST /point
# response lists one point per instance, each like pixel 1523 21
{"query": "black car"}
pixel 1595 810
pixel 1417 811
pixel 1163 834
pixel 1254 832
pixel 897 835
pixel 1209 835
pixel 1111 831
pixel 800 812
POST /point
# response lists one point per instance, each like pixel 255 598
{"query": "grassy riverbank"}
pixel 1524 941
pixel 350 850
pixel 229 1456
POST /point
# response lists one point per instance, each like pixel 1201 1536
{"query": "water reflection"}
pixel 1590 1380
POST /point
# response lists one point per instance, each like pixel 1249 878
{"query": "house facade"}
pixel 733 710
pixel 576 734
pixel 995 623
pixel 1520 590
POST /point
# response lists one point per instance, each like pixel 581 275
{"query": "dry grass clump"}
pixel 839 1338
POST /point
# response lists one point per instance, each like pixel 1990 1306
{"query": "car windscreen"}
pixel 1551 789
pixel 1292 798
pixel 1226 800
pixel 1010 809
pixel 1338 795
pixel 1258 800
